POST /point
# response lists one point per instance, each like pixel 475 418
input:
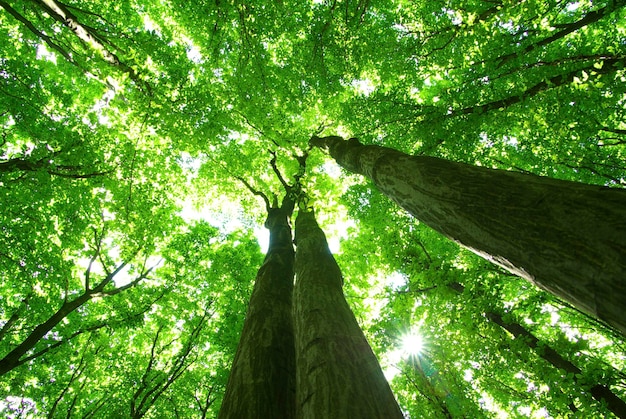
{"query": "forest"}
pixel 155 156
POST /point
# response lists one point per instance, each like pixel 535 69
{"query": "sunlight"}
pixel 396 280
pixel 411 346
pixel 363 86
pixel 412 343
pixel 44 54
pixel 194 54
pixel 151 26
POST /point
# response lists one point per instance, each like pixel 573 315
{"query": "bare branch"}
pixel 255 192
pixel 278 174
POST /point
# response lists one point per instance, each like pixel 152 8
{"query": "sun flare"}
pixel 412 343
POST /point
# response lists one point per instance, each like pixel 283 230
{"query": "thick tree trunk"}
pixel 568 238
pixel 338 375
pixel 262 379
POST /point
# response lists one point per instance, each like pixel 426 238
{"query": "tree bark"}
pixel 262 379
pixel 338 375
pixel 568 238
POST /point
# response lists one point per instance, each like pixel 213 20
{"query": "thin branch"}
pixel 38 33
pixel 277 172
pixel 255 192
pixel 75 374
pixel 257 129
pixel 14 317
pixel 421 245
pixel 96 255
pixel 87 12
pixel 131 284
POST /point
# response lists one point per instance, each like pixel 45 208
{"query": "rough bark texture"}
pixel 568 238
pixel 262 379
pixel 338 375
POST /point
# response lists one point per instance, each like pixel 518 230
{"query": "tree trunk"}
pixel 568 238
pixel 338 375
pixel 262 379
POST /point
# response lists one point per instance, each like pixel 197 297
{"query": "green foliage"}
pixel 101 163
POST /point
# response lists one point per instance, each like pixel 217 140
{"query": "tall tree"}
pixel 568 238
pixel 262 378
pixel 338 375
pixel 108 110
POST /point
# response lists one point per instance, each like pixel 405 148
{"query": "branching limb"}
pixel 89 329
pixel 86 12
pixel 37 32
pixel 277 172
pixel 89 37
pixel 566 29
pixel 256 128
pixel 131 284
pixel 255 192
pixel 96 255
pixel 78 371
pixel 205 402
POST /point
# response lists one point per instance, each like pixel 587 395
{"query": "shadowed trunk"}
pixel 568 238
pixel 262 378
pixel 338 375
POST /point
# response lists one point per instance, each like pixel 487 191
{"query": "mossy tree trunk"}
pixel 338 375
pixel 262 378
pixel 568 238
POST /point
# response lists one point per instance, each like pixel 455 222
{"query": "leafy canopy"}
pixel 125 127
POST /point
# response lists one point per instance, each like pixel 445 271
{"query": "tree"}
pixel 575 230
pixel 262 378
pixel 93 288
pixel 337 372
pixel 124 115
pixel 316 374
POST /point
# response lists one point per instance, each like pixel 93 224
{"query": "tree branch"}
pixel 38 33
pixel 255 192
